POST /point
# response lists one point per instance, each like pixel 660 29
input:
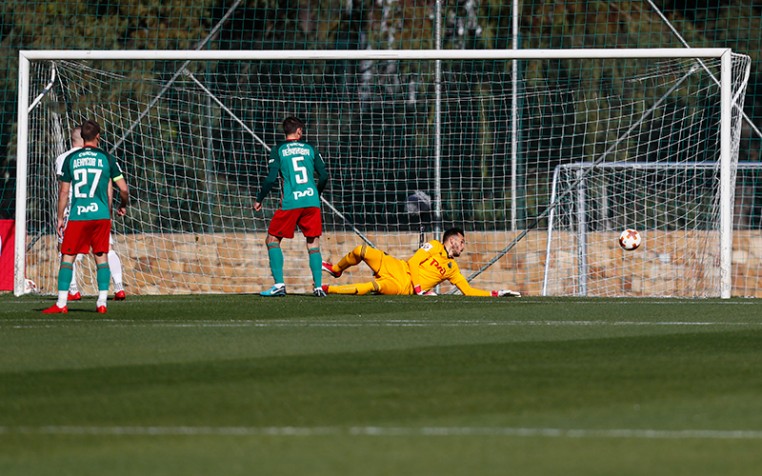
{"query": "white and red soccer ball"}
pixel 630 239
pixel 30 287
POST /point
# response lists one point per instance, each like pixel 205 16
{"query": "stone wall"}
pixel 186 263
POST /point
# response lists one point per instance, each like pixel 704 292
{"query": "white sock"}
pixel 115 265
pixel 73 289
pixel 63 297
pixel 102 298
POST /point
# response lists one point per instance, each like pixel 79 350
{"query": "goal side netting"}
pixel 533 167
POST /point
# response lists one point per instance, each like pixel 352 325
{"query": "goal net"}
pixel 673 205
pixel 415 142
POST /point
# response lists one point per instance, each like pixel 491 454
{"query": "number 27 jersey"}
pixel 90 171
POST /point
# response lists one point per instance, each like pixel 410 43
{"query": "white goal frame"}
pixel 725 55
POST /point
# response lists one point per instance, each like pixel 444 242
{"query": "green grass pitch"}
pixel 447 385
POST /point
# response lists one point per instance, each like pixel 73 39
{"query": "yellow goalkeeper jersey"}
pixel 430 265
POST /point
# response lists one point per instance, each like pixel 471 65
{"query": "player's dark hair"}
pixel 90 130
pixel 291 124
pixel 452 232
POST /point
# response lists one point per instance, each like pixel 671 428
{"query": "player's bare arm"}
pixel 270 181
pixel 124 196
pixel 63 203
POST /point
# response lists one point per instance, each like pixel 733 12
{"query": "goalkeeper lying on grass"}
pixel 433 263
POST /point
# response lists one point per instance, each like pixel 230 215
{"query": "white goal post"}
pixel 193 128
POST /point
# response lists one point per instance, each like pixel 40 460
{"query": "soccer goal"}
pixel 527 150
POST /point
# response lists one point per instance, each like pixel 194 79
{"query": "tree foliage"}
pixel 362 24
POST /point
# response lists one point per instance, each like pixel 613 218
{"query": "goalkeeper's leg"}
pixel 392 275
pixel 355 289
pixel 371 256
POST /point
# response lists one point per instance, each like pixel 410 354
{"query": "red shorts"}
pixel 284 222
pixel 81 235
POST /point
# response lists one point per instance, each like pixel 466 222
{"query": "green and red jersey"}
pixel 297 163
pixel 90 170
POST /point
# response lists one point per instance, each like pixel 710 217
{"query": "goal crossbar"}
pixel 264 55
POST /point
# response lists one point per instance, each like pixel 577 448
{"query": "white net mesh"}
pixel 194 137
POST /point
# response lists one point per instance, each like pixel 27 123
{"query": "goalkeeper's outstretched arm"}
pixel 465 287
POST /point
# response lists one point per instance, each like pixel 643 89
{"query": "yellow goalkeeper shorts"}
pixel 393 276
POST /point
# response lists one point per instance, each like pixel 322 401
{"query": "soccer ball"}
pixel 30 287
pixel 629 239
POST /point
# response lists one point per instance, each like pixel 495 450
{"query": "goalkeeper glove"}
pixel 505 293
pixel 421 292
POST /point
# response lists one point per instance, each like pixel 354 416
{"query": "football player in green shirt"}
pixel 296 162
pixel 87 173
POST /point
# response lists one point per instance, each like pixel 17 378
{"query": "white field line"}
pixel 359 322
pixel 381 431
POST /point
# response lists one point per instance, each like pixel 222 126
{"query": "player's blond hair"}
pixel 76 136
